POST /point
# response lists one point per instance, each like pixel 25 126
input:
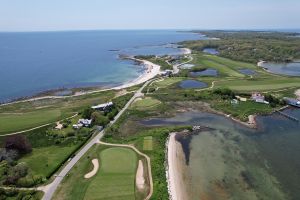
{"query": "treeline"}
pixel 251 46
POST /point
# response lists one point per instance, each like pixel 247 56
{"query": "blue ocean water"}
pixel 37 61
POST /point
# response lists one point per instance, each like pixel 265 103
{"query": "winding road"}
pixel 50 189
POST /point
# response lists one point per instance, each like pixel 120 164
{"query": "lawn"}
pixel 42 161
pixel 146 103
pixel 114 180
pixel 12 122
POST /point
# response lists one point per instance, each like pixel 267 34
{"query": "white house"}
pixel 103 106
pixel 85 122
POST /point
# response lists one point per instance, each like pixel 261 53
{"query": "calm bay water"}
pixel 38 61
pixel 231 161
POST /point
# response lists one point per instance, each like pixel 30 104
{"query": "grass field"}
pixel 11 122
pixel 42 161
pixel 148 143
pixel 146 103
pixel 26 115
pixel 114 180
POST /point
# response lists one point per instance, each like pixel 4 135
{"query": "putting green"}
pixel 116 177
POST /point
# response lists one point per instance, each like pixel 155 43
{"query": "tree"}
pixel 19 143
pixel 87 112
pixel 99 119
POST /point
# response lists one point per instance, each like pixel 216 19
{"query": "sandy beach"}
pixel 151 71
pixel 176 185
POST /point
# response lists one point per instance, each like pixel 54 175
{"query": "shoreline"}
pixel 151 71
pixel 175 184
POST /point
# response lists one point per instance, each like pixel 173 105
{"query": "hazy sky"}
pixel 34 15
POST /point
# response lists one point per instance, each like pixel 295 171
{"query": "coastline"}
pixel 151 71
pixel 174 169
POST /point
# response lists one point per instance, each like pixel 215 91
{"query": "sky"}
pixel 52 15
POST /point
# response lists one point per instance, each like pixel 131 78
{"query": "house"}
pixel 77 126
pixel 292 102
pixel 241 98
pixel 234 102
pixel 259 98
pixel 58 126
pixel 166 73
pixel 85 122
pixel 103 107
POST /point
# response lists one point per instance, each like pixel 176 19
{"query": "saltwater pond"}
pixel 229 161
pixel 206 72
pixel 192 84
pixel 290 69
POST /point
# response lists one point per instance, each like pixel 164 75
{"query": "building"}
pixel 85 122
pixel 241 98
pixel 259 98
pixel 166 73
pixel 77 126
pixel 292 102
pixel 103 107
pixel 234 102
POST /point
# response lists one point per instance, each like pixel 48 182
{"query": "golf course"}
pixel 115 178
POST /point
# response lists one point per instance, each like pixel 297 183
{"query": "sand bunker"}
pixel 95 169
pixel 139 179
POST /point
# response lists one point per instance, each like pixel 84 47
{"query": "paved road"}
pixel 51 188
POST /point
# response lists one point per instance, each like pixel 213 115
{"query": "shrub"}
pixel 19 143
pixel 87 112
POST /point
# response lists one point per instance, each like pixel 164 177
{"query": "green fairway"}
pixel 148 143
pixel 146 103
pixel 114 180
pixel 26 115
pixel 259 85
pixel 11 122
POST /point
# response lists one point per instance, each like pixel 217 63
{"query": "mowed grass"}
pixel 259 85
pixel 224 68
pixel 114 180
pixel 26 115
pixel 12 122
pixel 145 103
pixel 42 161
pixel 148 143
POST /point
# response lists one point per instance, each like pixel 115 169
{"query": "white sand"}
pixel 175 183
pixel 297 93
pixel 139 178
pixel 95 169
pixel 151 72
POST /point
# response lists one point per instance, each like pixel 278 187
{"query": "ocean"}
pixel 33 62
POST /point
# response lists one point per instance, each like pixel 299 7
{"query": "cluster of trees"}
pixel 104 117
pixel 225 93
pixel 11 172
pixel 18 195
pixel 274 101
pixel 252 46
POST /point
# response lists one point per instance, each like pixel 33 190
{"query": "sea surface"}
pixel 230 161
pixel 32 62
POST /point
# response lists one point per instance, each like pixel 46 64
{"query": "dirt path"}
pixel 140 153
pixel 95 169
